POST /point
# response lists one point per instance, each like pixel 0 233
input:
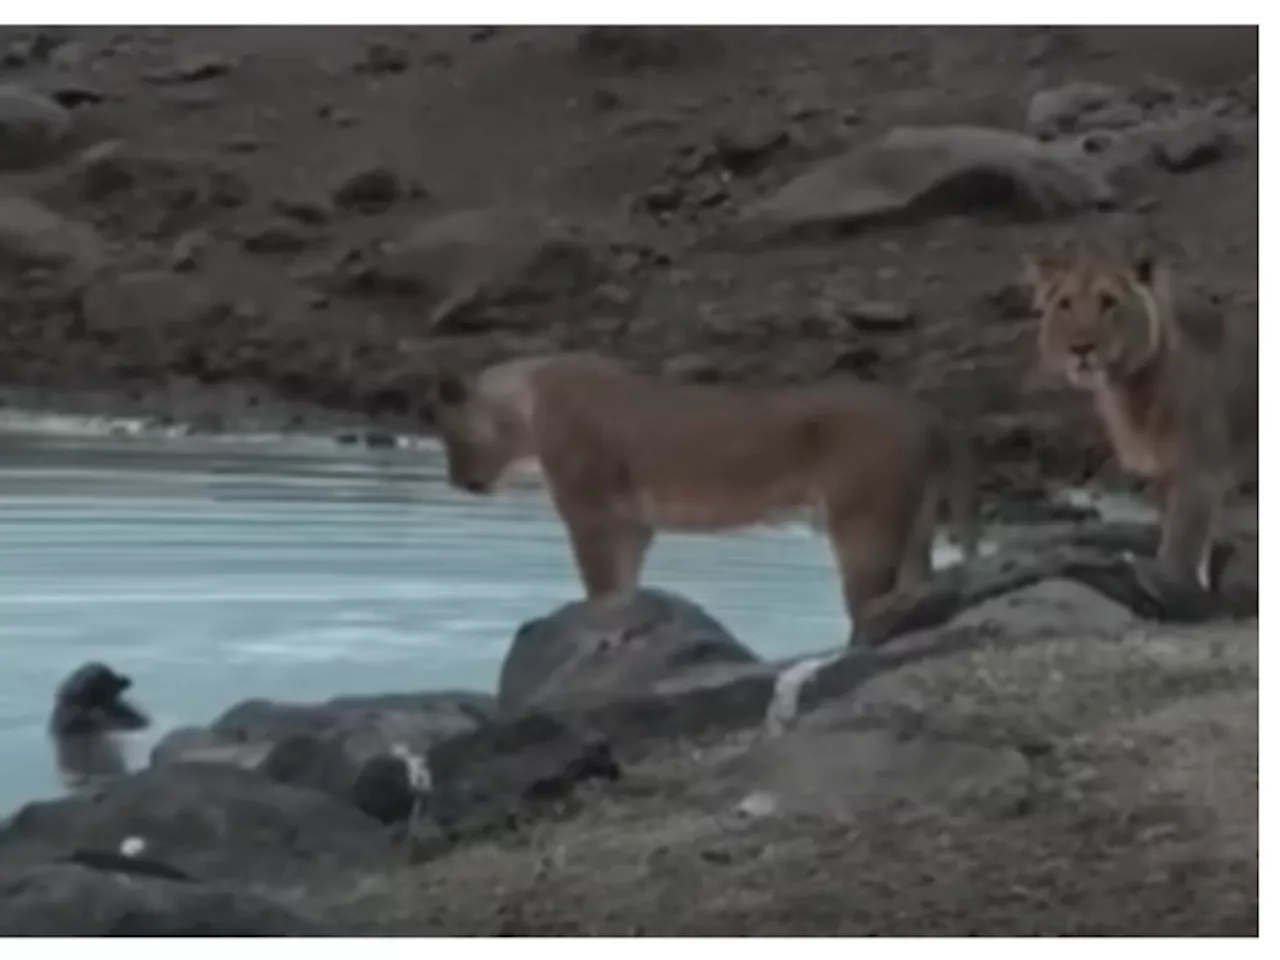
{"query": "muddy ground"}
pixel 300 225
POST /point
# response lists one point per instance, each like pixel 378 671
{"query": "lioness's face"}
pixel 480 442
pixel 1096 316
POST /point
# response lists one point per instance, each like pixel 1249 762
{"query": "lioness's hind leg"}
pixel 869 550
pixel 917 559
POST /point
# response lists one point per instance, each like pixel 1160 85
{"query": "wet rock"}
pixel 340 748
pixel 583 653
pixel 71 900
pixel 922 172
pixel 33 128
pixel 34 237
pixel 210 821
pixel 367 189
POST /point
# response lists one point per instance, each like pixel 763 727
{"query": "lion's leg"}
pixel 917 560
pixel 594 540
pixel 1191 507
pixel 869 548
pixel 632 544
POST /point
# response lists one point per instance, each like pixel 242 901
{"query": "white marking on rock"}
pixel 132 847
pixel 415 764
pixel 785 703
pixel 757 804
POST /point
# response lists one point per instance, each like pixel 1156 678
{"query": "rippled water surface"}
pixel 215 570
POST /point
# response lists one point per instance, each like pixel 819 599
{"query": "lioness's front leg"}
pixel 1191 506
pixel 607 549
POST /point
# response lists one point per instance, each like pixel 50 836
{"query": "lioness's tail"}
pixel 959 481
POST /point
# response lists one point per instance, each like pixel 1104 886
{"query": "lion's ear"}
pixel 1041 266
pixel 451 390
pixel 1145 267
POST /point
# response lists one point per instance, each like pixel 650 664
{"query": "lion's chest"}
pixel 1138 435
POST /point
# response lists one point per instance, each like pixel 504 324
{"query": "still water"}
pixel 214 569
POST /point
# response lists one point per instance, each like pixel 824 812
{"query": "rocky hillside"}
pixel 224 224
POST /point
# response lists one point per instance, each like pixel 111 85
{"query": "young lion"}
pixel 1176 386
pixel 624 455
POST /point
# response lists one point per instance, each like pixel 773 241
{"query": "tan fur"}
pixel 1176 385
pixel 625 455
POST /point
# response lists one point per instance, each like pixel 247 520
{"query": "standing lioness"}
pixel 1176 385
pixel 624 455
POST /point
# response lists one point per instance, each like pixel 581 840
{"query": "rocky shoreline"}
pixel 1053 743
pixel 642 728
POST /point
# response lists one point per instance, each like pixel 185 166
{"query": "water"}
pixel 212 570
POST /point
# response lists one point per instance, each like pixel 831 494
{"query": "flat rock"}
pixel 68 900
pixel 920 172
pixel 209 821
pixel 592 652
pixel 33 128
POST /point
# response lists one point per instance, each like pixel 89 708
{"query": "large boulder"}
pixel 209 821
pixel 474 266
pixel 919 172
pixel 70 900
pixel 629 646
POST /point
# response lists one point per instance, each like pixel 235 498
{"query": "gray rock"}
pixel 209 821
pixel 1191 141
pixel 594 652
pixel 34 237
pixel 512 770
pixel 338 748
pixel 919 172
pixel 277 236
pixel 69 900
pixel 369 188
pixel 33 128
pixel 1070 108
pixel 159 190
pixel 468 260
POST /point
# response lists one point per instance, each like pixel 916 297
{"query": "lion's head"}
pixel 1102 318
pixel 484 429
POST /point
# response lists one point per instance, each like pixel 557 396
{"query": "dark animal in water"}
pixel 89 714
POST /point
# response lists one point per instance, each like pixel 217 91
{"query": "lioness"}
pixel 1175 383
pixel 624 455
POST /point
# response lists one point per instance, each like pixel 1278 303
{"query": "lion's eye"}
pixel 1064 303
pixel 1106 301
